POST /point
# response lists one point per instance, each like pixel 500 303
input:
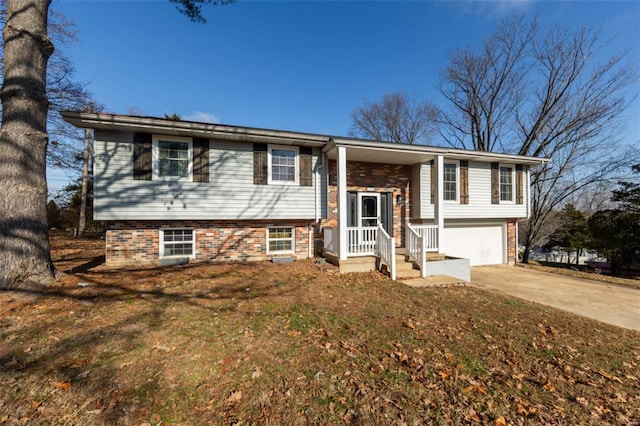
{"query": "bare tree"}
pixel 24 240
pixel 541 92
pixel 86 157
pixel 397 117
pixel 192 9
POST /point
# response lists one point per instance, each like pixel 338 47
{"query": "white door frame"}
pixel 376 195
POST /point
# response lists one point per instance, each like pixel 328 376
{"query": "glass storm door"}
pixel 368 209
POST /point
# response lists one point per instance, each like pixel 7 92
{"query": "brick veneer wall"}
pixel 512 250
pixel 373 177
pixel 138 242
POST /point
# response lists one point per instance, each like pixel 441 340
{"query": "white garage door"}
pixel 482 245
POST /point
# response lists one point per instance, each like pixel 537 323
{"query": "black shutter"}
pixel 305 162
pixel 519 184
pixel 142 156
pixel 260 164
pixel 200 160
pixel 495 183
pixel 464 182
pixel 433 182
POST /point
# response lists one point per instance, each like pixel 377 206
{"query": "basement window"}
pixel 177 243
pixel 280 240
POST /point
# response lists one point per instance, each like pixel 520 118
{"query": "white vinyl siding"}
pixel 426 208
pixel 479 206
pixel 229 195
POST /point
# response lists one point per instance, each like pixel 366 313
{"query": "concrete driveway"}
pixel 605 302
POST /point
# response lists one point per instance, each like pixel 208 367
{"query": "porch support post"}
pixel 342 202
pixel 439 198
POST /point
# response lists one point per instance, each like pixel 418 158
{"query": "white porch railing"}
pixel 361 240
pixel 430 233
pixel 331 239
pixel 386 250
pixel 416 246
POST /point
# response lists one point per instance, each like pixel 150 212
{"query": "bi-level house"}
pixel 174 190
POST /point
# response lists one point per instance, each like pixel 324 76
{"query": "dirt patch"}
pixel 290 344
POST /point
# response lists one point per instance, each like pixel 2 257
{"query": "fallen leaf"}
pixel 582 400
pixel 235 397
pixel 548 386
pixel 477 388
pixel 63 385
pixel 500 421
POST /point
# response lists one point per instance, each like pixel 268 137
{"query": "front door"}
pixel 368 208
pixel 368 217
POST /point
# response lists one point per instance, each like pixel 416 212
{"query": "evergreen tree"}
pixel 573 234
pixel 616 232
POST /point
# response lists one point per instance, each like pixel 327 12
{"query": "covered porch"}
pixel 373 206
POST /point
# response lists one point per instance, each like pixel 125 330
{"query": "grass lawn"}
pixel 290 344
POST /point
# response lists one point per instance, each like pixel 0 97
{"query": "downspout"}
pixel 317 186
pixel 517 244
pixel 528 188
pixel 439 198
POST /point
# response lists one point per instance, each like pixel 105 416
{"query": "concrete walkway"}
pixel 601 301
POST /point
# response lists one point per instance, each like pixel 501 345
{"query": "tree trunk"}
pixel 526 252
pixel 24 239
pixel 85 181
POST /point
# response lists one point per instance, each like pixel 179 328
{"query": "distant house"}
pixel 209 192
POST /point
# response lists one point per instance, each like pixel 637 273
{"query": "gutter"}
pixel 110 121
pixel 452 153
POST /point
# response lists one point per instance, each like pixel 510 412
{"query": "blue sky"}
pixel 295 65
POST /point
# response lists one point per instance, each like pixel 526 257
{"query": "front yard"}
pixel 291 344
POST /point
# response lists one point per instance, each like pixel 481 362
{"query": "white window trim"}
pixel 457 164
pixel 293 240
pixel 296 163
pixel 155 156
pixel 161 244
pixel 513 184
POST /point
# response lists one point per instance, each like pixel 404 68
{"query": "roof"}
pixel 191 128
pixel 394 153
pixel 357 149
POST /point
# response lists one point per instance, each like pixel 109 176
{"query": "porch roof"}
pixel 393 153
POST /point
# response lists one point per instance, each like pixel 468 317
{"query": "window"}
pixel 506 183
pixel 283 164
pixel 172 158
pixel 177 242
pixel 450 182
pixel 280 239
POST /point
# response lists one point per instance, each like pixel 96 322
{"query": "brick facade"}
pixel 138 242
pixel 374 177
pixel 512 250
